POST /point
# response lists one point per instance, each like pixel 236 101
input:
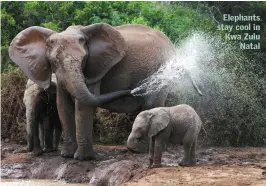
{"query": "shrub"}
pixel 111 127
pixel 12 107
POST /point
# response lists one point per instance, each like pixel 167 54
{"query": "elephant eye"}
pixel 81 40
pixel 51 41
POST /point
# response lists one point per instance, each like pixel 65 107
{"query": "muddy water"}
pixel 36 182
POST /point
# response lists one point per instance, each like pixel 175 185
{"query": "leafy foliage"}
pixel 175 20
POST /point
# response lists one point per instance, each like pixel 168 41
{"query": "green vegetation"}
pixel 239 121
pixel 175 20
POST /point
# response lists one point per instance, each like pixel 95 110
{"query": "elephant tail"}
pixel 205 136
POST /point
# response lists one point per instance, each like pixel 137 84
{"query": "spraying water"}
pixel 190 53
pixel 230 88
pixel 201 55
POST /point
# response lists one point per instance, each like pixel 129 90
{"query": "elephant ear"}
pixel 159 121
pixel 28 49
pixel 106 48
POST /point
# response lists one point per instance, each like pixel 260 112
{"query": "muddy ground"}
pixel 115 165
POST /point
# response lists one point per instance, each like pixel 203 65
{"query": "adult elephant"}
pixel 93 64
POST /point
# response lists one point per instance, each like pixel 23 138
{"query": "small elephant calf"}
pixel 43 124
pixel 178 125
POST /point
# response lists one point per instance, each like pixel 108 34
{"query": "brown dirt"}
pixel 216 175
pixel 116 166
pixel 226 167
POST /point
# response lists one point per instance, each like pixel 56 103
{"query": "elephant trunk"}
pixel 136 145
pixel 80 91
pixel 131 143
pixel 194 84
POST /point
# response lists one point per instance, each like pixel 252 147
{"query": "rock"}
pixel 46 169
pixel 8 149
pixel 20 150
pixel 74 171
pixel 15 171
pixel 115 173
pixel 19 166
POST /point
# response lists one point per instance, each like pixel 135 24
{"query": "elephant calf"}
pixel 43 123
pixel 178 125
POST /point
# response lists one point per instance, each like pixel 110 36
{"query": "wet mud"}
pixel 115 165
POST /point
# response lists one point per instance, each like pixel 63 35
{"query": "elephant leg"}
pixel 158 150
pixel 188 141
pixel 33 119
pixel 57 133
pixel 84 128
pixel 37 150
pixel 30 118
pixel 41 134
pixel 57 136
pixel 185 161
pixel 193 160
pixel 48 134
pixel 34 145
pixel 151 151
pixel 66 110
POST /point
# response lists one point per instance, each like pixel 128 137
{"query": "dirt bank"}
pixel 116 166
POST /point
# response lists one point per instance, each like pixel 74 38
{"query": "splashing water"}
pixel 232 104
pixel 221 71
pixel 171 76
pixel 163 78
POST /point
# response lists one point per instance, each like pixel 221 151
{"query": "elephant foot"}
pixel 151 162
pixel 156 165
pixel 37 151
pixel 47 150
pixel 30 148
pixel 84 154
pixel 21 150
pixel 186 163
pixel 68 150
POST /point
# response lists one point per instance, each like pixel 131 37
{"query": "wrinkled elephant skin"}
pixel 95 66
